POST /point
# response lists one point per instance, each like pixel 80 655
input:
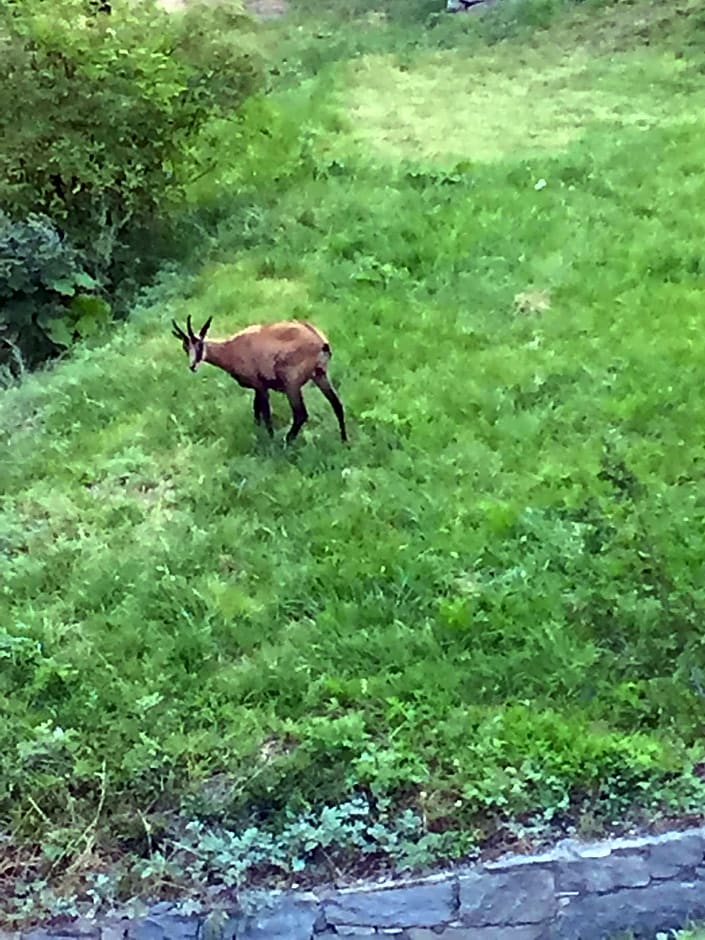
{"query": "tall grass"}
pixel 488 608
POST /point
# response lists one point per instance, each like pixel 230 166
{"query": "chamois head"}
pixel 193 344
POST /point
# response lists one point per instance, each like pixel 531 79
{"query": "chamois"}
pixel 266 357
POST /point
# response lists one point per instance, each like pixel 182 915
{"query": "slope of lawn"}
pixel 480 623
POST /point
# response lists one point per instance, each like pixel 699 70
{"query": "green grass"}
pixel 489 607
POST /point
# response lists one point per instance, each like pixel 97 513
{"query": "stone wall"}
pixel 576 891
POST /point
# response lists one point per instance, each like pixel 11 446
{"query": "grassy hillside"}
pixel 481 621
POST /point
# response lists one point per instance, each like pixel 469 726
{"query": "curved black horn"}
pixel 189 327
pixel 204 329
pixel 177 331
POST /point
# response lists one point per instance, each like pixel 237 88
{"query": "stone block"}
pixel 79 929
pixel 413 905
pixel 601 875
pixel 674 851
pixel 117 930
pixel 343 931
pixel 328 935
pixel 528 932
pixel 508 898
pixel 288 919
pixel 165 926
pixel 663 906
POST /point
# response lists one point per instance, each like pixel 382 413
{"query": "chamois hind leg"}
pixel 298 410
pixel 324 383
pixel 262 410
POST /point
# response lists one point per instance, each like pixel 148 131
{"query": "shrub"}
pixel 100 114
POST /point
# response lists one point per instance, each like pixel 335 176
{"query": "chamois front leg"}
pixel 299 413
pixel 262 410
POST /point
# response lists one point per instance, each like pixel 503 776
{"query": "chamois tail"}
pixel 324 357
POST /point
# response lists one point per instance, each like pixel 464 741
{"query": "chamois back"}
pixel 287 353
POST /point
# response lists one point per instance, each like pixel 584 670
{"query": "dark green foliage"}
pixel 46 294
pixel 98 119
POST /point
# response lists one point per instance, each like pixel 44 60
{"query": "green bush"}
pixel 99 118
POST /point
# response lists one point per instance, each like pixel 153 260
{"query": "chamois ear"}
pixel 206 326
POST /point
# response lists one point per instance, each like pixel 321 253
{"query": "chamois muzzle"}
pixel 195 353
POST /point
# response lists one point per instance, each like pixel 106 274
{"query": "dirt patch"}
pixel 267 9
pixel 262 9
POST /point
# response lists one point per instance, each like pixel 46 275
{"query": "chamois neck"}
pixel 214 353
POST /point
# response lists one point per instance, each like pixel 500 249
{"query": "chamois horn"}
pixel 177 331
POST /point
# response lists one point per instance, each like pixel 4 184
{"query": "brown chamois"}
pixel 280 357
